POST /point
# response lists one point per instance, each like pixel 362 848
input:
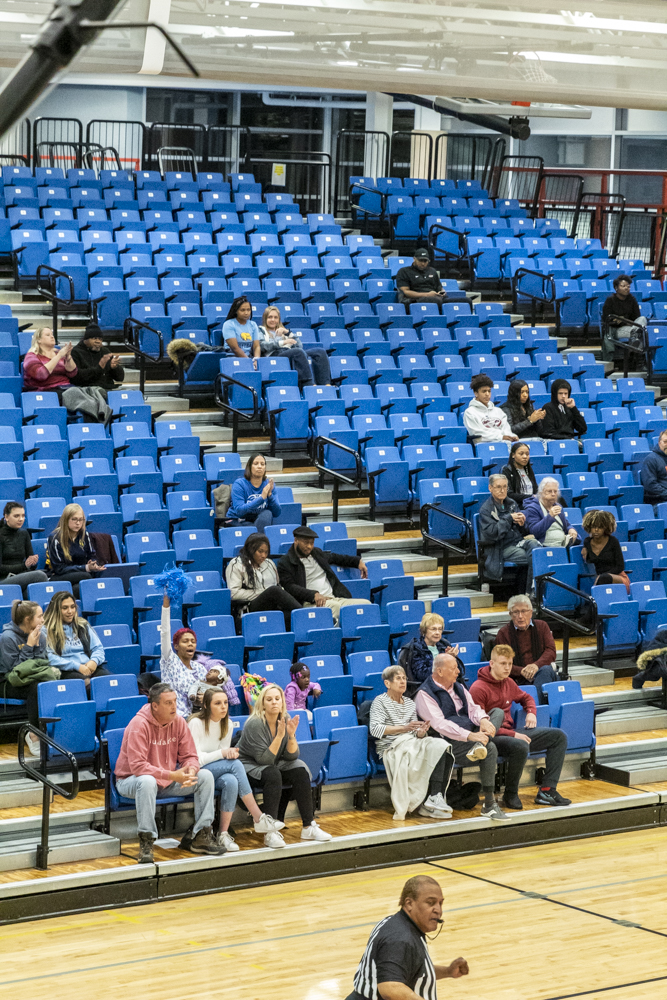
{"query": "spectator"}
pixel 427 645
pixel 240 332
pixel 300 688
pixel 494 689
pixel 562 420
pixel 22 640
pixel 503 534
pixel 521 481
pixel 253 500
pixel 48 369
pixel 95 362
pixel 524 420
pixel 17 560
pixel 449 709
pixel 252 578
pixel 621 316
pixel 276 340
pixel 602 548
pixel 305 573
pixel 158 760
pixel 270 754
pixel 70 552
pixel 418 766
pixel 212 735
pixel 546 518
pixel 484 421
pixel 654 472
pixel 419 282
pixel 178 665
pixel 531 641
pixel 72 644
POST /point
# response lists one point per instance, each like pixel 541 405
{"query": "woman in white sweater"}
pixel 212 734
pixel 252 578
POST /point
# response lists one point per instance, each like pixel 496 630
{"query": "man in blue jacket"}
pixel 654 472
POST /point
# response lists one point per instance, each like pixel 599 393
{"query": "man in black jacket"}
pixel 562 420
pixel 95 362
pixel 621 316
pixel 306 574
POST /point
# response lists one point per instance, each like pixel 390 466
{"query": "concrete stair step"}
pixel 631 720
pixel 20 851
pixel 168 403
pixel 311 496
pixel 633 763
pixel 590 676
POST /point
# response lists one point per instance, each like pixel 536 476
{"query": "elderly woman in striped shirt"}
pixel 418 766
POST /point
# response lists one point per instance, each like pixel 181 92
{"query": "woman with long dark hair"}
pixel 253 500
pixel 240 332
pixel 521 481
pixel 18 563
pixel 252 578
pixel 524 419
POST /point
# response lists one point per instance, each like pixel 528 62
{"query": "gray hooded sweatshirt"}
pixel 13 648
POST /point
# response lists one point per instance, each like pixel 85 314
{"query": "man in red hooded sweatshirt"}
pixel 158 759
pixel 494 688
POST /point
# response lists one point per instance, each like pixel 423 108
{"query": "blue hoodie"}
pixel 654 476
pixel 248 502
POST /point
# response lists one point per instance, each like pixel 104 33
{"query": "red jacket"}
pixel 149 748
pixel 489 693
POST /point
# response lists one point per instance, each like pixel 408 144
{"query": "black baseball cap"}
pixel 421 253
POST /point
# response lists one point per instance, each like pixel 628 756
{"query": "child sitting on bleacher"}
pixel 484 421
pixel 217 679
pixel 300 688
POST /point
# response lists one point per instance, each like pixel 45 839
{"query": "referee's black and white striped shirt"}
pixel 396 953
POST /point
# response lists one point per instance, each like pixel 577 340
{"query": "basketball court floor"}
pixel 583 918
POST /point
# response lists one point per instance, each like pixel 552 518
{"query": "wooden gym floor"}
pixel 576 919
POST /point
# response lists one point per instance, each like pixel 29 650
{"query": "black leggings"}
pixel 75 576
pixel 440 775
pixel 276 797
pixel 27 691
pixel 276 599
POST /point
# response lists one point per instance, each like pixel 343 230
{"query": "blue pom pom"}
pixel 174 581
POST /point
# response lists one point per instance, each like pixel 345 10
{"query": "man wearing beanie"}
pixel 95 362
pixel 305 573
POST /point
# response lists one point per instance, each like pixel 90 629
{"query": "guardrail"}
pixel 131 329
pixel 445 544
pixel 598 619
pixel 223 383
pixel 338 477
pixel 48 786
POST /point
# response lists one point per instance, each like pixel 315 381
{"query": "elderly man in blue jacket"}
pixel 654 472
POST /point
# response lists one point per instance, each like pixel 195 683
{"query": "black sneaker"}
pixel 551 797
pixel 205 843
pixel 186 839
pixel 510 801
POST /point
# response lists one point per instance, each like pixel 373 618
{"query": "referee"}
pixel 396 964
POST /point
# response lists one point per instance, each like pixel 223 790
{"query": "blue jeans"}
pixel 230 780
pixel 146 793
pixel 264 518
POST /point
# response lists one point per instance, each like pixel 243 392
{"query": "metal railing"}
pixel 48 785
pixel 47 285
pixel 448 547
pixel 518 177
pixel 223 383
pixel 598 619
pixel 319 444
pixel 131 333
pixel 127 137
pixel 540 288
pixel 359 153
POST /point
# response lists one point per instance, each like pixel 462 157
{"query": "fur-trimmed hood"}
pixel 646 658
pixel 182 350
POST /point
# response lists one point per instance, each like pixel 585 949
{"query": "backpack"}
pixel 222 495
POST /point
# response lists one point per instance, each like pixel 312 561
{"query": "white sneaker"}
pixel 278 824
pixel 432 813
pixel 33 746
pixel 440 803
pixel 477 752
pixel 266 824
pixel 313 832
pixel 227 841
pixel 274 840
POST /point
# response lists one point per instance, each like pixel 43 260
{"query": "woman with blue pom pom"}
pixel 177 661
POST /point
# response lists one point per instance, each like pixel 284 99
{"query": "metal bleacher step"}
pixel 589 676
pixel 17 792
pixel 634 719
pixel 633 763
pixel 68 843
